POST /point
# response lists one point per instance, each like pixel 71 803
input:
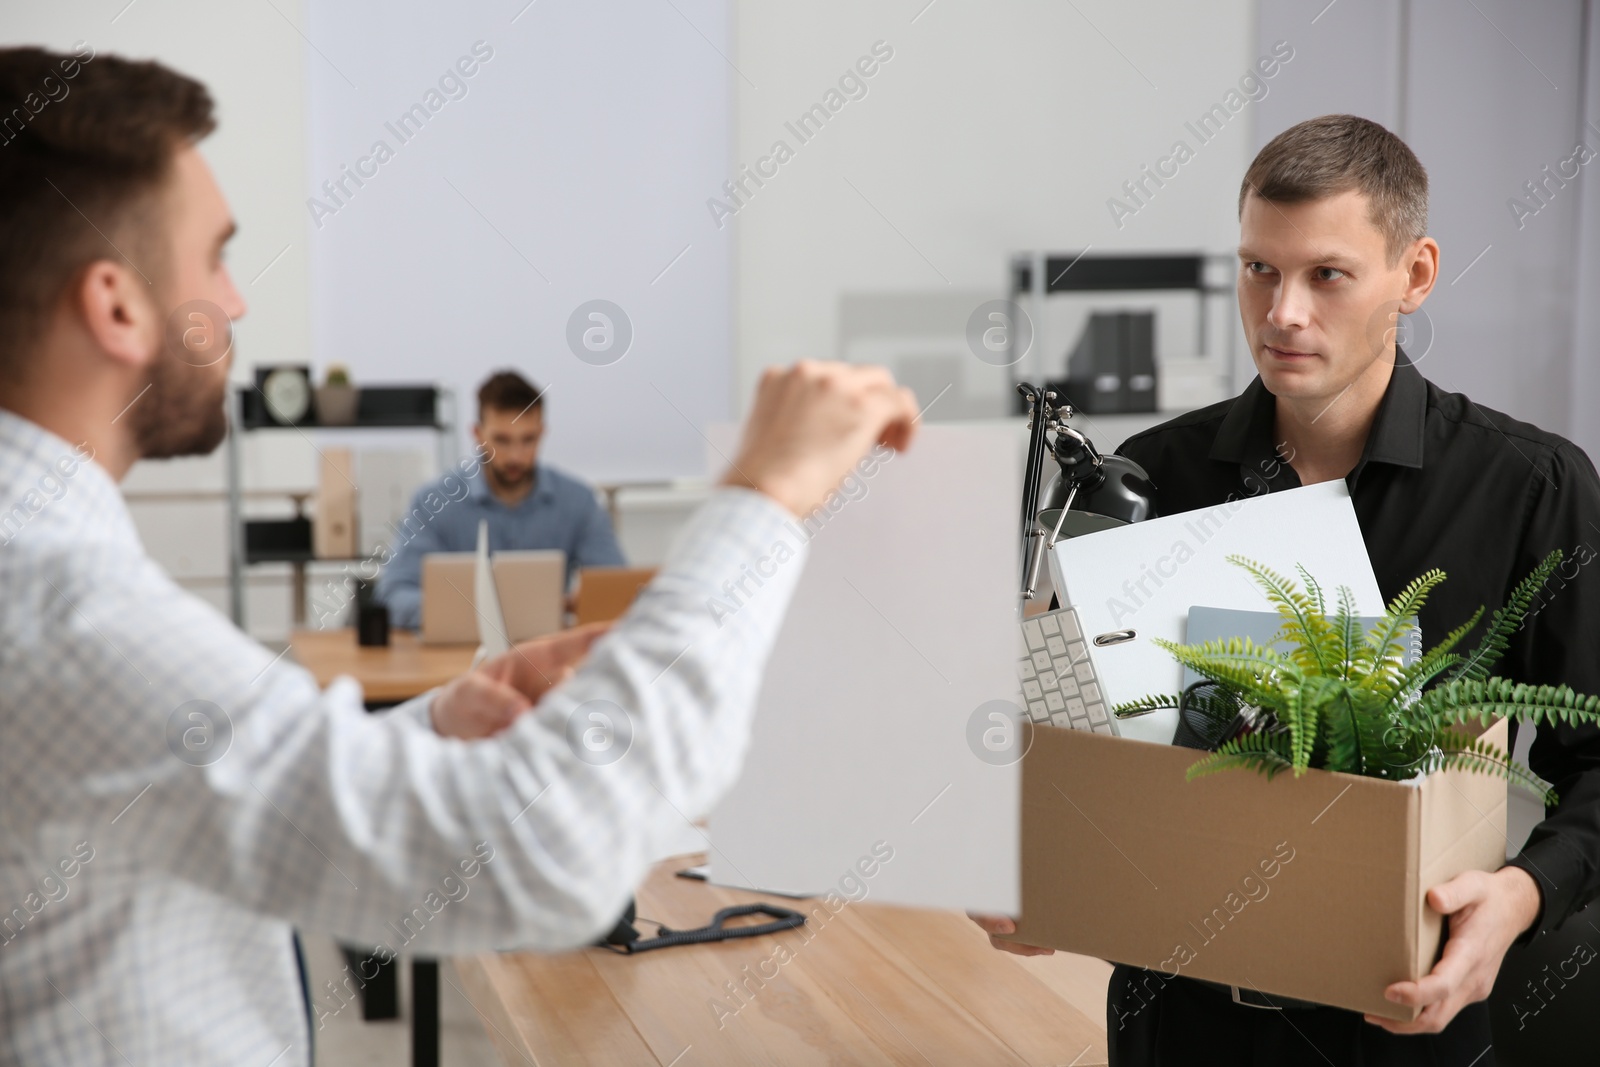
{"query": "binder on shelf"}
pixel 1112 369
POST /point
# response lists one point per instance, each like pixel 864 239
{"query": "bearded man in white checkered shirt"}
pixel 173 798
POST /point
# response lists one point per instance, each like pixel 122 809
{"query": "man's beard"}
pixel 510 485
pixel 181 413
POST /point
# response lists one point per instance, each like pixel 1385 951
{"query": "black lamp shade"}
pixel 1121 494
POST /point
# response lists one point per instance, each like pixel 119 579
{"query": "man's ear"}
pixel 1422 273
pixel 119 312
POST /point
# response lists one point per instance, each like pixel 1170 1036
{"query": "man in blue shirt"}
pixel 528 504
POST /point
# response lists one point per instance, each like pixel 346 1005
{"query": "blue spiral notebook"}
pixel 1208 624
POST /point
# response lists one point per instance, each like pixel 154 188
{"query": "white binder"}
pixel 1143 578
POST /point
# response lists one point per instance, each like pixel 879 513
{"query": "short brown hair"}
pixel 1335 154
pixel 86 145
pixel 508 391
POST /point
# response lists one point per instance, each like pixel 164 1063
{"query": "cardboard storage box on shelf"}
pixel 333 533
pixel 1309 887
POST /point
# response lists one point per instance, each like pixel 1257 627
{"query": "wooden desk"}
pixel 388 675
pixel 871 984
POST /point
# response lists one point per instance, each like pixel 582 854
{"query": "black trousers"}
pixel 1156 1021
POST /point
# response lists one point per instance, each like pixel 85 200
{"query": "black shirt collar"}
pixel 1245 435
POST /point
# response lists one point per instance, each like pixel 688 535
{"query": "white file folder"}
pixel 1144 577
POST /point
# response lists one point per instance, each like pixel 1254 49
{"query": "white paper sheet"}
pixel 902 627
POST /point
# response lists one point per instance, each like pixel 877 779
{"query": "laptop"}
pixel 531 587
pixel 604 593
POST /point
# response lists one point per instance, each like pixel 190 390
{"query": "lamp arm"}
pixel 1031 535
pixel 1038 420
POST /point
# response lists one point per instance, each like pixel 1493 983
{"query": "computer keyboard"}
pixel 1059 686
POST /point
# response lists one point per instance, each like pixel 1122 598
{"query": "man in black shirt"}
pixel 1333 216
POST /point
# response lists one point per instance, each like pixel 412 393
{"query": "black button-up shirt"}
pixel 1446 483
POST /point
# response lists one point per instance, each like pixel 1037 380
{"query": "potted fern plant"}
pixel 1340 699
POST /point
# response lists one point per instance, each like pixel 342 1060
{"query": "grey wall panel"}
pixel 571 165
pixel 1493 98
pixel 1346 60
pixel 1488 94
pixel 1583 398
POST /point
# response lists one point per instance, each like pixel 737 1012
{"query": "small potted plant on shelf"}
pixel 1342 699
pixel 337 399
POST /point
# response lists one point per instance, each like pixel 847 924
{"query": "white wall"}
pixel 995 128
pixel 591 134
pixel 571 169
pixel 250 56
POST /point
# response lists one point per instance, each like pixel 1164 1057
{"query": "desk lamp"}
pixel 1090 492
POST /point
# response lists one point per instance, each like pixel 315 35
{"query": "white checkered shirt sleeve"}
pixel 221 796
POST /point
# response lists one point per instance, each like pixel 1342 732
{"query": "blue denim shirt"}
pixel 561 512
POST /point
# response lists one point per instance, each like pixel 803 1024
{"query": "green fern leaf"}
pixel 1356 738
pixel 1415 679
pixel 1439 659
pixel 1301 719
pixel 1305 625
pixel 1344 700
pixel 1454 637
pixel 1313 588
pixel 1378 661
pixel 1458 749
pixel 1506 621
pixel 1347 625
pixel 1459 701
pixel 1264 751
pixel 1252 672
pixel 1154 702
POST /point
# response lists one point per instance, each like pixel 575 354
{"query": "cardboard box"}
pixel 1309 887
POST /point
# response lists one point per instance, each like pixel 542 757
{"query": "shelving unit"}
pixel 255 541
pixel 1038 275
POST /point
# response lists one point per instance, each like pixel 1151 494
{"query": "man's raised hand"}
pixel 812 422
